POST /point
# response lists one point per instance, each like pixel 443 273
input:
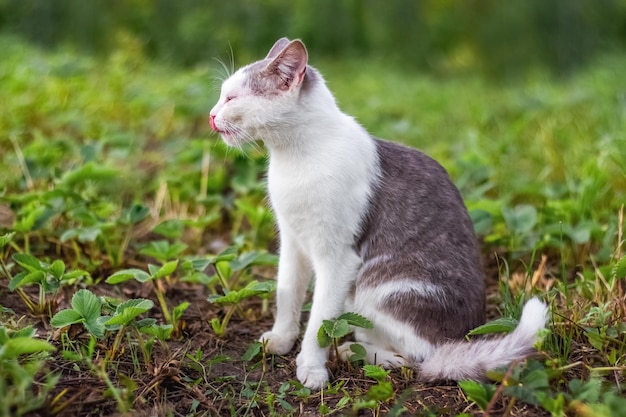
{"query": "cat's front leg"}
pixel 334 277
pixel 294 274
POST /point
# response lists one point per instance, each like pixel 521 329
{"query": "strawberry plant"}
pixel 22 357
pixel 49 278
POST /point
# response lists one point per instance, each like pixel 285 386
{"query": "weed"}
pixel 154 275
pixel 331 331
pixel 22 357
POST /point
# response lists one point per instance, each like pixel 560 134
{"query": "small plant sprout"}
pixel 155 275
pixel 379 393
pixel 231 268
pixel 86 309
pixel 125 315
pixel 332 331
pixel 49 278
pixel 231 300
pixel 22 357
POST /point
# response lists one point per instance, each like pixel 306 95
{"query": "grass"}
pixel 136 251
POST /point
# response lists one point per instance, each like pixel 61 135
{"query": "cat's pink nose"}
pixel 212 122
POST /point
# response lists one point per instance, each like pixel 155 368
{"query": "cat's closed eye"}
pixel 229 98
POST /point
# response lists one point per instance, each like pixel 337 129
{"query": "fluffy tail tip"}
pixel 534 317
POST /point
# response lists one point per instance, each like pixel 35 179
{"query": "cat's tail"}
pixel 461 360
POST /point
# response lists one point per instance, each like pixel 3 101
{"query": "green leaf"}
pixel 536 380
pixel 580 234
pixel 375 372
pixel 96 326
pixel 152 269
pixel 137 213
pixel 216 325
pixel 78 273
pixel 588 391
pixel 227 254
pixel 555 405
pixel 481 394
pixel 253 258
pixel 172 229
pixel 57 268
pixel 87 304
pixel 161 332
pixel 253 350
pixel 357 320
pixel 166 269
pixel 127 311
pixel 18 346
pixel 619 270
pixel 5 239
pixel 89 234
pixel 252 289
pixel 482 220
pixel 84 234
pixel 178 311
pixel 382 391
pixel 65 318
pixel 28 262
pixel 500 325
pixel 521 219
pixel 359 352
pixel 337 328
pixel 224 270
pixel 126 274
pixel 162 250
pixel 322 338
pixel 88 172
pixel 595 339
pixel 196 264
pixel 27 331
pixel 25 278
pixel 148 321
pixel 525 392
pixel 198 278
pixel 6 310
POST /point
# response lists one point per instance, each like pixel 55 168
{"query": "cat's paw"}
pixel 390 360
pixel 345 352
pixel 374 355
pixel 313 377
pixel 277 344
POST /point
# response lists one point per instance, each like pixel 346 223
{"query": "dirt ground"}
pixel 173 384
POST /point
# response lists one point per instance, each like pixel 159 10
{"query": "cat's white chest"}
pixel 322 196
pixel 298 194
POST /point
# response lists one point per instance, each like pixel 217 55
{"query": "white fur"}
pixel 374 296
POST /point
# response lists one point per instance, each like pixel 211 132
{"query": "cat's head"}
pixel 256 99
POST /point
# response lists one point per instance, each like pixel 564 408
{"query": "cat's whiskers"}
pixel 241 137
pixel 224 71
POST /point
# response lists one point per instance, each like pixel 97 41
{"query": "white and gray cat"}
pixel 380 225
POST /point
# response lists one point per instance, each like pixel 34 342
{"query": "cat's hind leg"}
pixel 375 355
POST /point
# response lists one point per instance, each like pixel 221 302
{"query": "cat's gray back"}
pixel 418 229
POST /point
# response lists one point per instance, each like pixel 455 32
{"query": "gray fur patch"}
pixel 418 220
pixel 263 82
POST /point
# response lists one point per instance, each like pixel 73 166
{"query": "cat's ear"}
pixel 290 64
pixel 277 48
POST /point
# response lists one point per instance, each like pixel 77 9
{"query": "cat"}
pixel 380 226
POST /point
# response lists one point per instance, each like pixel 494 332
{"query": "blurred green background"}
pixel 494 37
pixel 522 101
